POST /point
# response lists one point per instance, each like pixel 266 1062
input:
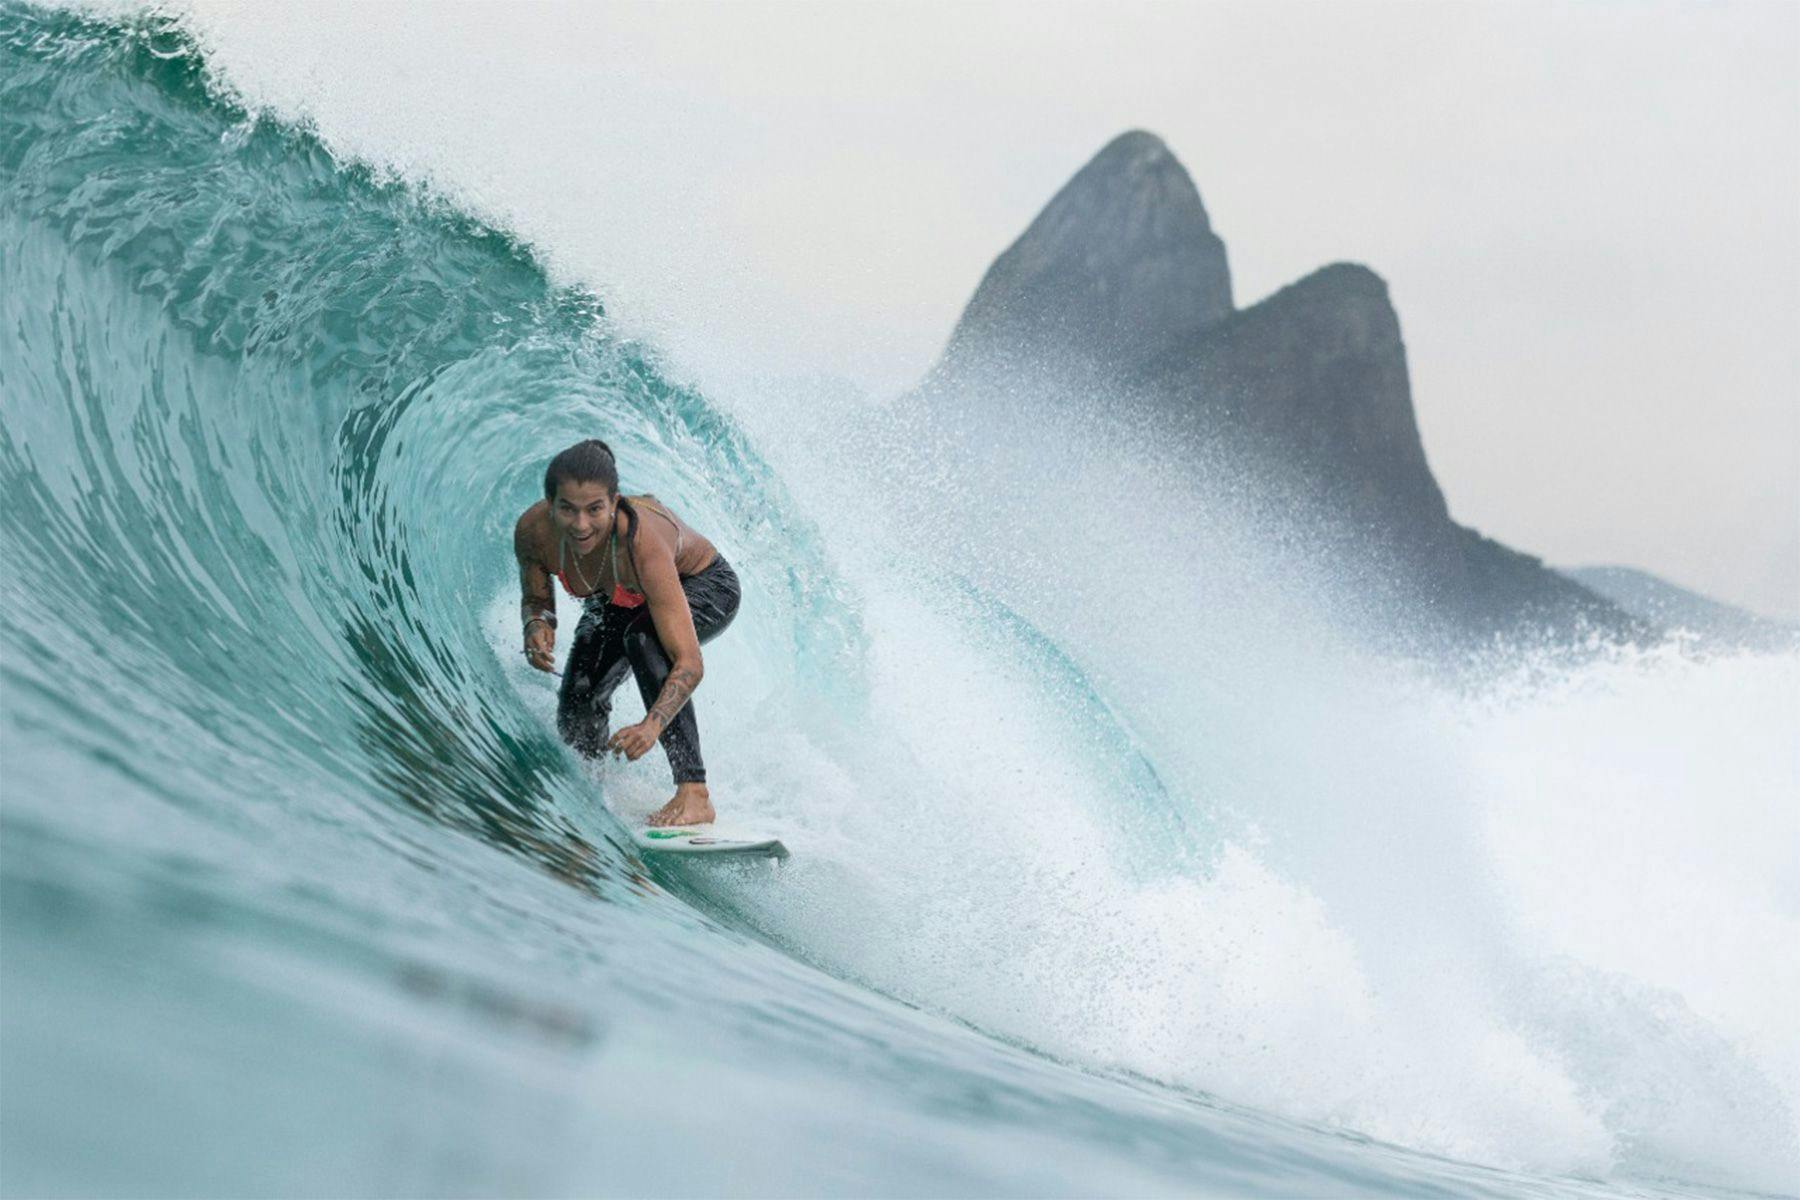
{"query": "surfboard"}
pixel 705 839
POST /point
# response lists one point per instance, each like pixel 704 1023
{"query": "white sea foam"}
pixel 1544 925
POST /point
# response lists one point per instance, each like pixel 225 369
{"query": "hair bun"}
pixel 586 461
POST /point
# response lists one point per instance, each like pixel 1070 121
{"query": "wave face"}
pixel 292 858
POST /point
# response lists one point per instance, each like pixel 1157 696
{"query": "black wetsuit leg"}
pixel 713 596
pixel 596 667
pixel 611 639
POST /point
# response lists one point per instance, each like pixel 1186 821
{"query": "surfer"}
pixel 652 591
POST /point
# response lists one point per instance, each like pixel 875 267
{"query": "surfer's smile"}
pixel 584 512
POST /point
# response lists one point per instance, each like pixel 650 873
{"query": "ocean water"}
pixel 1138 881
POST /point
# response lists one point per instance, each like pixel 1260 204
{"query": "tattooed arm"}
pixel 674 628
pixel 537 602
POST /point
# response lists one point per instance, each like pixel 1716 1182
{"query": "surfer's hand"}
pixel 634 741
pixel 540 646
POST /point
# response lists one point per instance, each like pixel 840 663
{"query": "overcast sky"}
pixel 1585 212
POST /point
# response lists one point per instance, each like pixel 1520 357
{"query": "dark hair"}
pixel 584 462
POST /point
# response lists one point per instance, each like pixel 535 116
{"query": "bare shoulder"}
pixel 533 533
pixel 652 535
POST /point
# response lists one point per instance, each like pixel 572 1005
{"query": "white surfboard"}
pixel 706 839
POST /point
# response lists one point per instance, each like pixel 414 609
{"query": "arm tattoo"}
pixel 675 692
pixel 535 593
pixel 535 601
pixel 535 596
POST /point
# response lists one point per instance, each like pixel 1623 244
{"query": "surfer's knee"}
pixel 643 647
pixel 584 727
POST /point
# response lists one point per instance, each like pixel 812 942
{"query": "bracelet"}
pixel 549 622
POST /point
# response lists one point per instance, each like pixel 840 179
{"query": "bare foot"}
pixel 691 806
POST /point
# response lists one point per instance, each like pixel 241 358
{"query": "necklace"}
pixel 561 551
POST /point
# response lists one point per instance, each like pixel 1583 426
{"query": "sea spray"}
pixel 1331 892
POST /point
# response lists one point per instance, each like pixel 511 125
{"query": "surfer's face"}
pixel 583 513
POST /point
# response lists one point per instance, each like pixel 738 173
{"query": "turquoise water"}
pixel 302 895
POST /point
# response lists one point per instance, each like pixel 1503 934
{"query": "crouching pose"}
pixel 652 591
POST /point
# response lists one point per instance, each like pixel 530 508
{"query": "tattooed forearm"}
pixel 536 606
pixel 675 692
pixel 535 594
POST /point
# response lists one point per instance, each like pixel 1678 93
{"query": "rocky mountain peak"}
pixel 1120 263
pixel 1313 376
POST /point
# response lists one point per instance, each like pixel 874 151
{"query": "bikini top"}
pixel 622 596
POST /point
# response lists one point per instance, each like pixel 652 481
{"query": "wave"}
pixel 269 416
pixel 281 413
